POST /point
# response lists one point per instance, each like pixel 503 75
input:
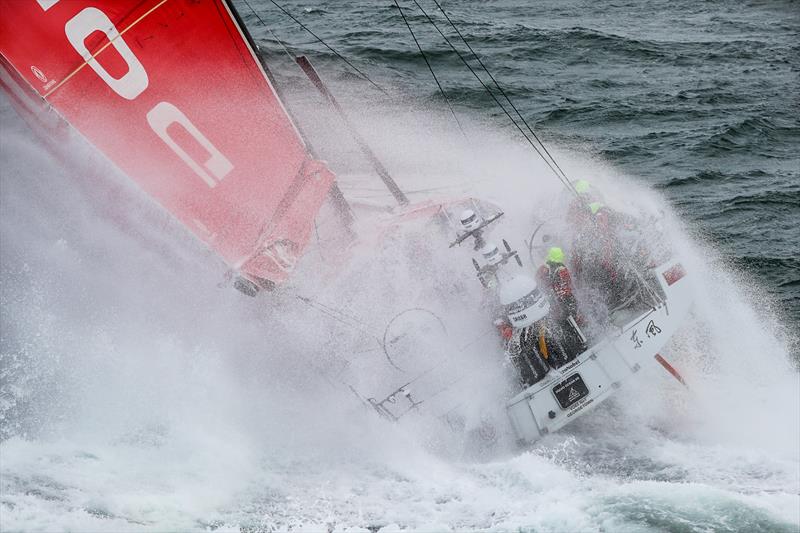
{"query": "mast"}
pixel 342 206
pixel 387 179
pixel 312 74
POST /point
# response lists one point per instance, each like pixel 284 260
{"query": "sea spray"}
pixel 154 399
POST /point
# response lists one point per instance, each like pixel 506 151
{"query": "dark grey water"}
pixel 699 99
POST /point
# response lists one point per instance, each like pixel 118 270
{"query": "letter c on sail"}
pixel 91 19
pixel 165 114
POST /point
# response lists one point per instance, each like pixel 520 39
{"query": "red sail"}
pixel 172 93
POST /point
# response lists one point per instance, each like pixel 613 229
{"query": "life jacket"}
pixel 560 281
pixel 556 277
pixel 598 237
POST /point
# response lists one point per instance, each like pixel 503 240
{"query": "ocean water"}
pixel 696 99
pixel 139 395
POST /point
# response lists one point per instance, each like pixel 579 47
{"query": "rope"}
pixel 563 175
pixel 283 45
pixel 554 166
pixel 339 316
pixel 425 57
pixel 318 38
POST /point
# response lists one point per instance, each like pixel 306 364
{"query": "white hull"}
pixel 564 395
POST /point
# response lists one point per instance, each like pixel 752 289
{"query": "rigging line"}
pixel 425 57
pixel 109 43
pixel 496 83
pixel 340 56
pixel 342 321
pixel 503 93
pixel 344 316
pixel 332 312
pixel 338 315
pixel 500 104
pixel 283 45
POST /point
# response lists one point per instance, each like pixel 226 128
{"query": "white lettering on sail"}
pixel 91 19
pixel 47 4
pixel 165 114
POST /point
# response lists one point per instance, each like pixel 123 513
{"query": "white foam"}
pixel 143 397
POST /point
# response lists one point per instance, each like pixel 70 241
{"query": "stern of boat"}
pixel 565 394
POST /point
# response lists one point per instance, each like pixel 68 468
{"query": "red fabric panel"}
pixel 193 120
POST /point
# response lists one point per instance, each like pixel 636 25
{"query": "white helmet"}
pixel 470 219
pixel 524 302
pixel 491 253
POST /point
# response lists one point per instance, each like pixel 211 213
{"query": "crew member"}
pixel 524 307
pixel 577 212
pixel 595 254
pixel 554 275
pixel 530 342
pixel 564 310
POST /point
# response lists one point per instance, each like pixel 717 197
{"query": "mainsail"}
pixel 172 93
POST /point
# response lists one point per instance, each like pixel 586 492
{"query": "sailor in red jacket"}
pixel 564 310
pixel 593 224
pixel 595 248
pixel 554 275
pixel 577 213
pixel 604 230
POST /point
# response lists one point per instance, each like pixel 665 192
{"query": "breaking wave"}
pixel 138 395
pixel 142 397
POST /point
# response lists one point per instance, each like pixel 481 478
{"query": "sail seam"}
pixel 109 43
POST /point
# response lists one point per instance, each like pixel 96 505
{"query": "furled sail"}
pixel 172 93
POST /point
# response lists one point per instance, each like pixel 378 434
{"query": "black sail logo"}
pixel 570 391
